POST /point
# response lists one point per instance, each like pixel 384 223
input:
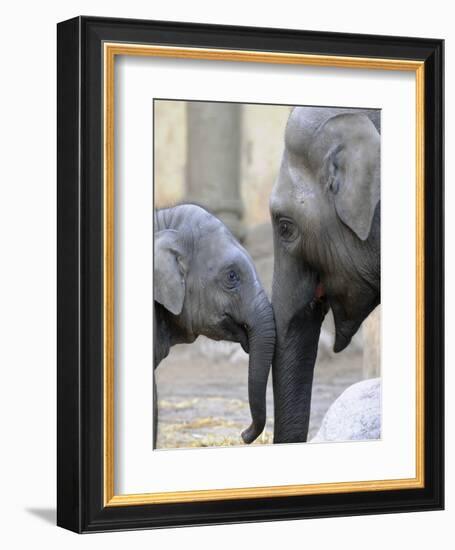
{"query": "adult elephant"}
pixel 206 283
pixel 325 209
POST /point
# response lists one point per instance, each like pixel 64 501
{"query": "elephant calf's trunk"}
pixel 261 336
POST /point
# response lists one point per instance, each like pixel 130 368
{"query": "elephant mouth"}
pixel 320 298
pixel 342 340
pixel 244 342
pixel 348 316
pixel 345 327
pixel 236 332
pixel 319 292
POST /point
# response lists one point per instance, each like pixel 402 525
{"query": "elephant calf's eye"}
pixel 334 185
pixel 287 230
pixel 232 278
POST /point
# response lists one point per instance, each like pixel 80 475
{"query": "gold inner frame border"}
pixel 110 51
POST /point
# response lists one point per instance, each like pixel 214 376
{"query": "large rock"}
pixel 355 415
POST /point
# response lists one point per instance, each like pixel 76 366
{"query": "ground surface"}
pixel 202 394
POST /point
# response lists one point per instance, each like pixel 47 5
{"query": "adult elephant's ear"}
pixel 169 271
pixel 353 171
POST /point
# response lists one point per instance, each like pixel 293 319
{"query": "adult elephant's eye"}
pixel 287 230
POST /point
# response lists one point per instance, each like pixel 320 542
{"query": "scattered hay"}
pixel 178 405
pixel 189 403
pixel 181 435
pixel 209 422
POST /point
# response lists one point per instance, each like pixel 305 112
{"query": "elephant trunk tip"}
pixel 251 433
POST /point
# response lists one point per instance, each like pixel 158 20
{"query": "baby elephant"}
pixel 206 283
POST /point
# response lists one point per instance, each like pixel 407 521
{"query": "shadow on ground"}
pixel 49 515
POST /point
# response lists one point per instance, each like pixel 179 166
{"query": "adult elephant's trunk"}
pixel 293 367
pixel 261 340
pixel 299 311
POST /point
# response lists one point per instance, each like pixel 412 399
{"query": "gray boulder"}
pixel 355 415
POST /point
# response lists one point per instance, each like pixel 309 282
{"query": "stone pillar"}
pixel 371 330
pixel 213 161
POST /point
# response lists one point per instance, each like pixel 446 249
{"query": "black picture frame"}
pixel 80 475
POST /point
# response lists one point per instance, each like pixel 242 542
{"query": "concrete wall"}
pixel 262 147
pixel 262 133
pixel 170 152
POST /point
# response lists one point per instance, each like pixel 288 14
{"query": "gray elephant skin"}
pixel 325 210
pixel 205 283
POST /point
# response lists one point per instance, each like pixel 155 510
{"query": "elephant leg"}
pixel 155 413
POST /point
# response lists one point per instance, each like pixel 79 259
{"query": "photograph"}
pixel 267 274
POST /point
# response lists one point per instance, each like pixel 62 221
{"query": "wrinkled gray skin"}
pixel 325 209
pixel 206 283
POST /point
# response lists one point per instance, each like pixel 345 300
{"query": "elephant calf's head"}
pixel 206 284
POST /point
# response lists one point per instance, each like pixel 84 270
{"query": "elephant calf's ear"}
pixel 169 273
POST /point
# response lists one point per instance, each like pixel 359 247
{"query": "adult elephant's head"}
pixel 206 284
pixel 325 210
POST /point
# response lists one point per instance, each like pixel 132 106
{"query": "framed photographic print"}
pixel 250 274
